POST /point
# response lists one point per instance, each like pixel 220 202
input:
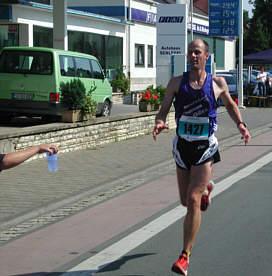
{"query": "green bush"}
pixel 90 105
pixel 117 84
pixel 120 81
pixel 160 92
pixel 73 94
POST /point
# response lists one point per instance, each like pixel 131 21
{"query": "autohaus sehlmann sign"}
pixel 171 29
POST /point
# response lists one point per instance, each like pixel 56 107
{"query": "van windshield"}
pixel 26 62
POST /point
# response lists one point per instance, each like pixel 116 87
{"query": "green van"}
pixel 30 80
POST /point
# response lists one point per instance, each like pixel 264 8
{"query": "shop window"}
pixel 219 53
pixel 139 55
pixel 9 35
pixel 42 37
pixel 150 55
pixel 113 54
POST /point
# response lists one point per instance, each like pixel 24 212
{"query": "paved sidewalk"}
pixel 89 176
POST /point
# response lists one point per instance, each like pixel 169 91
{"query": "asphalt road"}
pixel 235 237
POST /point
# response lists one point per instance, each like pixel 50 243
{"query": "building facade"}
pixel 120 33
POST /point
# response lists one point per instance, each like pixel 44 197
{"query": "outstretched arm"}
pixel 160 119
pixel 13 159
pixel 221 89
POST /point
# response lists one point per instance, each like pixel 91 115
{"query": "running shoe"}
pixel 206 199
pixel 181 265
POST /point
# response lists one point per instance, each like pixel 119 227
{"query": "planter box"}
pixel 145 107
pixel 72 116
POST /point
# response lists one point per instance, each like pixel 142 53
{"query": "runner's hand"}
pixel 160 126
pixel 245 134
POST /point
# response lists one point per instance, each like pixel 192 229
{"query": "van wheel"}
pixel 106 109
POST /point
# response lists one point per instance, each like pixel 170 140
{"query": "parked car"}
pixel 232 85
pixel 248 84
pixel 31 77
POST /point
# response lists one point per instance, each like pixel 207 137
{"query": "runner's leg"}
pixel 199 179
pixel 183 177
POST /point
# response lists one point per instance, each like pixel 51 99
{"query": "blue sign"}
pixel 144 16
pixel 224 17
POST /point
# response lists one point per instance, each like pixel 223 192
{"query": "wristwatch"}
pixel 239 123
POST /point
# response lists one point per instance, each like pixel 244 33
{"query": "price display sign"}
pixel 224 17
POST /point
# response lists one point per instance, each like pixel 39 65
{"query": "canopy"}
pixel 260 58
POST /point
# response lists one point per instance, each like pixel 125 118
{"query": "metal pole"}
pixel 240 91
pixel 191 8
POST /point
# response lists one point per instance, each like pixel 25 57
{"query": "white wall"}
pixel 142 33
pixel 30 15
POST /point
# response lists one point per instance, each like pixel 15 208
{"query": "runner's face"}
pixel 197 55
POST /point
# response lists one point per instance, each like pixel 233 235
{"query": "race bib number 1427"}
pixel 193 128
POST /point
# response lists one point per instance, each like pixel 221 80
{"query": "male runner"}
pixel 195 148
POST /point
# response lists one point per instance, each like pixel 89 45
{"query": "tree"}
pixel 258 31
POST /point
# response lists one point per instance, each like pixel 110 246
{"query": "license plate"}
pixel 22 96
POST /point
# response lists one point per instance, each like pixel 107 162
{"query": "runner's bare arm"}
pixel 171 90
pixel 221 90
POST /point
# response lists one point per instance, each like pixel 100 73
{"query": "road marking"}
pixel 133 240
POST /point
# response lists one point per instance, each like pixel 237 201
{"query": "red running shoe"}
pixel 181 265
pixel 206 199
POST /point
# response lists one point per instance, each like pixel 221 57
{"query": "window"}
pixel 97 72
pixel 219 53
pixel 83 68
pixel 114 52
pixel 26 62
pixel 150 56
pixel 9 35
pixel 139 55
pixel 42 37
pixel 67 66
pixel 107 49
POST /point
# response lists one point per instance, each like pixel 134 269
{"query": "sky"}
pixel 247 7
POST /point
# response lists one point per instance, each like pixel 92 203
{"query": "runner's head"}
pixel 198 54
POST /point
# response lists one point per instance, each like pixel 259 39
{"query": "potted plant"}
pixel 73 97
pixel 120 83
pixel 117 85
pixel 148 101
